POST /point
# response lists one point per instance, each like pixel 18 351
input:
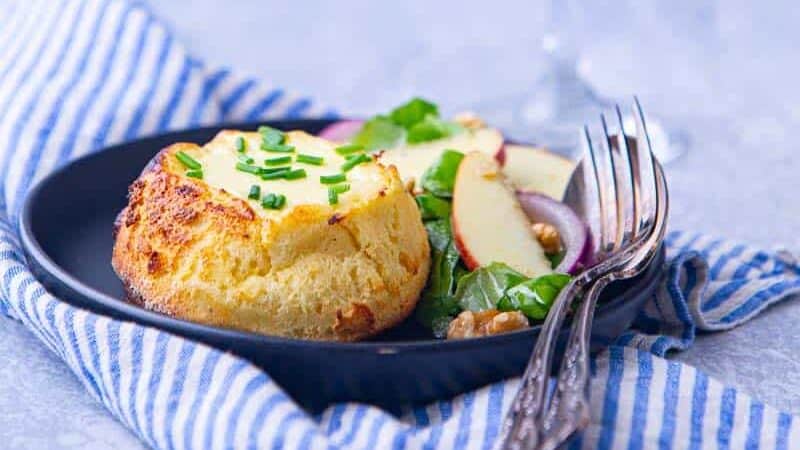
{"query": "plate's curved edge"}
pixel 55 275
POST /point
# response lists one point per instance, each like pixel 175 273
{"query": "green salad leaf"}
pixel 440 178
pixel 379 132
pixel 486 286
pixel 460 273
pixel 535 296
pixel 413 122
pixel 412 112
pixel 431 128
pixel 437 303
pixel 433 207
pixel 444 259
pixel 436 313
pixel 556 258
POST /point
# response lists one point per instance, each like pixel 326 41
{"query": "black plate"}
pixel 66 226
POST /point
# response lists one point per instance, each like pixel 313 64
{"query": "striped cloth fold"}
pixel 78 75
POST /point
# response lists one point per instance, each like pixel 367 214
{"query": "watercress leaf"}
pixel 440 178
pixel 442 282
pixel 506 304
pixel 413 112
pixel 433 207
pixel 484 287
pixel 432 311
pixel 430 129
pixel 437 302
pixel 379 133
pixel 460 273
pixel 439 234
pixel 449 264
pixel 535 296
pixel 444 258
pixel 556 258
pixel 557 280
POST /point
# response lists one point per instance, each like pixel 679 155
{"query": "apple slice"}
pixel 413 160
pixel 536 169
pixel 488 223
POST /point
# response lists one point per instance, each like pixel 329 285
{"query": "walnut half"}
pixel 548 236
pixel 485 323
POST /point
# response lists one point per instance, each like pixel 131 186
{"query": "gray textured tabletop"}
pixel 725 72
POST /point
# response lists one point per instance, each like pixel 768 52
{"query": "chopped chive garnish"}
pixel 244 159
pixel 273 201
pixel 195 174
pixel 241 144
pixel 268 200
pixel 276 175
pixel 309 159
pixel 332 179
pixel 270 136
pixel 352 162
pixel 277 161
pixel 341 188
pixel 277 148
pixel 274 169
pixel 188 161
pixel 255 192
pixel 348 149
pixel 333 196
pixel 295 174
pixel 242 167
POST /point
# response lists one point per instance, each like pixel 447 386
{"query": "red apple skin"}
pixel 466 256
pixel 500 156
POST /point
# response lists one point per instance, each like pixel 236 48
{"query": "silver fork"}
pixel 569 406
pixel 628 240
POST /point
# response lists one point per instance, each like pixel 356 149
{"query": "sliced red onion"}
pixel 341 131
pixel 574 233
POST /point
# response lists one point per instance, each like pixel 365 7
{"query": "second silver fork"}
pixel 631 229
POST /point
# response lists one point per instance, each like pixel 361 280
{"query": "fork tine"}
pixel 598 183
pixel 647 167
pixel 613 238
pixel 632 178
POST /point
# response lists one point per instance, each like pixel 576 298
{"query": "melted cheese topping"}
pixel 219 158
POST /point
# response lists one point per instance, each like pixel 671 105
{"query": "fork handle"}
pixel 519 425
pixel 569 406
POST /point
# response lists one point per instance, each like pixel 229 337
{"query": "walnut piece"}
pixel 548 237
pixel 507 321
pixel 470 120
pixel 485 323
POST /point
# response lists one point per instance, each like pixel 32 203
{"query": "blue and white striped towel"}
pixel 78 75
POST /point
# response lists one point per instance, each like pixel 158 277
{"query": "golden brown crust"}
pixel 196 252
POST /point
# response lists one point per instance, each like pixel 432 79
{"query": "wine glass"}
pixel 561 101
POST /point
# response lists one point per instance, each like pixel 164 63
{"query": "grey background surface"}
pixel 725 72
